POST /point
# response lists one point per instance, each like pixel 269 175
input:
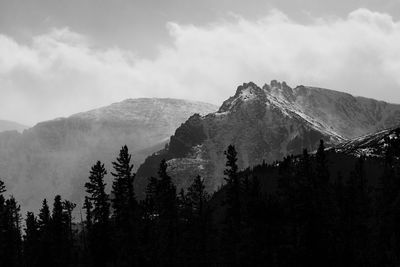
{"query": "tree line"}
pixel 313 218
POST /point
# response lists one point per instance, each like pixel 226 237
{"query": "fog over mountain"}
pixel 55 156
pixel 11 126
pixel 265 124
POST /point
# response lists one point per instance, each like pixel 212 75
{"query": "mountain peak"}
pixel 244 92
pixel 326 110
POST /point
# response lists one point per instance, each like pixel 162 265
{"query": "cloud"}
pixel 62 72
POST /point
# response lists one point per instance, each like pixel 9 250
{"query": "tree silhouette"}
pixel 31 240
pixel 124 207
pixel 100 233
pixel 231 234
pixel 166 206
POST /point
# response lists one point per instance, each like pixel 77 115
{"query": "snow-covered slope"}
pixel 267 123
pixel 370 145
pixel 55 156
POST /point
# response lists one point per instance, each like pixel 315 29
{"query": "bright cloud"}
pixel 63 72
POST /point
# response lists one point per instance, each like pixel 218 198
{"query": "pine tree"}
pixel 13 233
pixel 124 208
pixel 166 206
pixel 96 190
pixel 58 234
pixel 44 217
pixel 231 235
pixel 87 231
pixel 198 196
pixel 233 186
pixel 31 240
pixel 88 209
pixel 68 208
pixel 100 234
pixel 197 200
pixel 44 236
pixel 150 218
pixel 124 201
pixel 61 231
pixel 151 194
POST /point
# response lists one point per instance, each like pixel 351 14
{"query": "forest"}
pixel 312 217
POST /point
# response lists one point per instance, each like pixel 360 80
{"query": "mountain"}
pixel 55 156
pixel 11 126
pixel 370 145
pixel 265 124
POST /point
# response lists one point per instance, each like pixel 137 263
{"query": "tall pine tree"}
pixel 124 208
pixel 100 234
pixel 231 233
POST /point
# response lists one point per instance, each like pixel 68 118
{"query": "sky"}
pixel 61 57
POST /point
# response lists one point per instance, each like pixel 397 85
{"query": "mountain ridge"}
pixel 56 155
pixel 265 124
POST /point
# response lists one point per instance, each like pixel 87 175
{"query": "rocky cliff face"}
pixel 266 124
pixel 55 156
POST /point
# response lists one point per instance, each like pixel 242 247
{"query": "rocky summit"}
pixel 265 124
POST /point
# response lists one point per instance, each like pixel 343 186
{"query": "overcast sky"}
pixel 62 57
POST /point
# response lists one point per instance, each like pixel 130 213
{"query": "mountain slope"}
pixel 371 145
pixel 56 156
pixel 266 124
pixel 11 126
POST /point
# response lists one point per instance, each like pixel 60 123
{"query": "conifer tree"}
pixel 58 234
pixel 197 199
pixel 231 234
pixel 198 196
pixel 88 209
pixel 124 201
pixel 44 217
pixel 151 194
pixel 100 234
pixel 149 215
pixel 68 208
pixel 12 230
pixel 124 208
pixel 233 186
pixel 44 249
pixel 31 240
pixel 166 206
pixel 97 195
pixel 87 231
pixel 10 234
